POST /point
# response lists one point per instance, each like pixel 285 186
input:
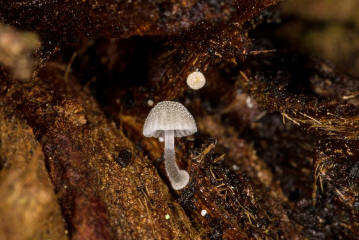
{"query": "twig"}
pixel 256 52
pixel 68 67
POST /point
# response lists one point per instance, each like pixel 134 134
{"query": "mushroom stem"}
pixel 178 178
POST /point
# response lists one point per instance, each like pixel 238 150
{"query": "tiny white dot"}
pixel 204 212
pixel 167 216
pixel 160 139
pixel 150 102
pixel 249 102
pixel 235 167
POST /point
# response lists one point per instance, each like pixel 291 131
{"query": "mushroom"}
pixel 170 119
pixel 196 80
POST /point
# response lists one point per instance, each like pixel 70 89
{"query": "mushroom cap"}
pixel 169 115
pixel 196 80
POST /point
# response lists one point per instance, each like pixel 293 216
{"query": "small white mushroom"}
pixel 196 80
pixel 169 120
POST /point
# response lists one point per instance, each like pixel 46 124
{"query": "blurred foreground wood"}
pixel 276 155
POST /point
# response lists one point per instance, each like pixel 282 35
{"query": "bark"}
pixel 275 156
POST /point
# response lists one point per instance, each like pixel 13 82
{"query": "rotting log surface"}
pixel 275 158
pixel 28 197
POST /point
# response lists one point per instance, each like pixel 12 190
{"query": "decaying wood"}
pixel 331 110
pixel 275 156
pixel 28 206
pixel 101 198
